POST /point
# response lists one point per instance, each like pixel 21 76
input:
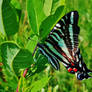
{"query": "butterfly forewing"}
pixel 70 30
pixel 61 41
pixel 62 45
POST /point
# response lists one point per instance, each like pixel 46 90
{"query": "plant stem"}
pixel 26 70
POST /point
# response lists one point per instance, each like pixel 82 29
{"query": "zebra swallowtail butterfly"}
pixel 62 45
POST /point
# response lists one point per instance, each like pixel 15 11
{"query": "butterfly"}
pixel 62 45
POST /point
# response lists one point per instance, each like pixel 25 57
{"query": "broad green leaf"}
pixel 9 21
pixel 47 7
pixel 35 14
pixel 49 22
pixel 22 60
pixel 15 58
pixel 32 44
pixel 56 4
pixel 39 11
pixel 8 51
pixel 17 6
pixel 38 85
pixel 1 22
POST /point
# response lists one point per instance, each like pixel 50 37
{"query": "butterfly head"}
pixel 83 75
pixel 83 71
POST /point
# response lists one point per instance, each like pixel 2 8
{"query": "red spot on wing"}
pixel 74 69
pixel 70 69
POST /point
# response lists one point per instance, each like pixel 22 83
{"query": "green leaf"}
pixel 22 60
pixel 35 14
pixel 8 51
pixel 32 44
pixel 9 22
pixel 40 12
pixel 38 85
pixel 56 4
pixel 47 7
pixel 16 4
pixel 49 22
pixel 15 58
pixel 1 22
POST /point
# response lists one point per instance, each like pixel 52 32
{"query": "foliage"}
pixel 23 24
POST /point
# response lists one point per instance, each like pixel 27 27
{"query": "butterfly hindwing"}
pixel 52 59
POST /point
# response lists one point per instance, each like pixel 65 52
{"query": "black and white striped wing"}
pixel 70 30
pixel 62 42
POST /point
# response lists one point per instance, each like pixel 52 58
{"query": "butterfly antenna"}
pixel 89 76
pixel 89 71
pixel 29 38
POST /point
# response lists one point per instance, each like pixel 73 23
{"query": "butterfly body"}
pixel 62 45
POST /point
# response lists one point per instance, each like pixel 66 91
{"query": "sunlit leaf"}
pixel 35 14
pixel 9 23
pixel 49 22
pixel 38 85
pixel 32 42
pixel 15 58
